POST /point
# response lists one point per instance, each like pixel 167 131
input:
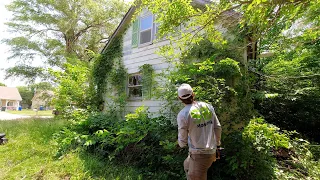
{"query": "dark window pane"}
pixel 145 36
pixel 135 80
pixel 135 91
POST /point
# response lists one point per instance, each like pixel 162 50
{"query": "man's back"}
pixel 199 126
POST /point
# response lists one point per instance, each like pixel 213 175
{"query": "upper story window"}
pixel 143 30
pixel 146 26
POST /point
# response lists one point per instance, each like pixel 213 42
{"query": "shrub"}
pixel 299 112
pixel 262 151
pixel 259 151
pixel 141 141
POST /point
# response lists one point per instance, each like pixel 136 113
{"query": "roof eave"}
pixel 121 26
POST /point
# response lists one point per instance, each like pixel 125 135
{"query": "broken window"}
pixel 135 86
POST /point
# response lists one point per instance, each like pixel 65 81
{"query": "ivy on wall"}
pixel 108 69
pixel 117 79
pixel 147 80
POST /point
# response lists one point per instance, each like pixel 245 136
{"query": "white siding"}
pixel 133 58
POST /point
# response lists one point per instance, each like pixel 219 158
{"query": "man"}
pixel 199 127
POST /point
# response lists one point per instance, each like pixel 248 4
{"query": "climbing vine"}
pixel 117 80
pixel 147 80
pixel 106 69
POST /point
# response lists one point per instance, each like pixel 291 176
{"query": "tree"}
pixel 73 88
pixel 1 84
pixel 42 86
pixel 251 19
pixel 26 95
pixel 57 31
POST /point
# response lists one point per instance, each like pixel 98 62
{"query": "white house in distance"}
pixel 42 98
pixel 9 98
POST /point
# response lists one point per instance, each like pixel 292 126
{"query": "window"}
pixel 146 26
pixel 143 30
pixel 10 103
pixel 135 86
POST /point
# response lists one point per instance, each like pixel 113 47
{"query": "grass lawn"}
pixel 30 112
pixel 30 154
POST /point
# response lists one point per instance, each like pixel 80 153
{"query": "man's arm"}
pixel 217 128
pixel 182 131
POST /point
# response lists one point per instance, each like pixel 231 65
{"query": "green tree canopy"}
pixel 1 84
pixel 55 31
pixel 26 95
pixel 253 21
pixel 42 86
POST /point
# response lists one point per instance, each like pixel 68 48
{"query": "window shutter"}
pixel 135 33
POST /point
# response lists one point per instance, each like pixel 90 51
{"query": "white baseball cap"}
pixel 185 91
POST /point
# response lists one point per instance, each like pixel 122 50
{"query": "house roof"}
pixel 9 93
pixel 127 19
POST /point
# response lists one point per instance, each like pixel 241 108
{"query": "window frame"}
pixel 134 86
pixel 151 30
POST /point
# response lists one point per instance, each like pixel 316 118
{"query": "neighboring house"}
pixel 139 48
pixel 10 98
pixel 42 99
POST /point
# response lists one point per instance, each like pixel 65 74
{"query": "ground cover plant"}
pixel 30 154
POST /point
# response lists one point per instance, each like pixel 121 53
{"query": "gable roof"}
pixel 9 93
pixel 127 19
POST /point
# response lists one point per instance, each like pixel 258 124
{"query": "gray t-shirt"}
pixel 199 127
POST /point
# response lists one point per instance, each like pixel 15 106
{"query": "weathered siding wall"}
pixel 133 58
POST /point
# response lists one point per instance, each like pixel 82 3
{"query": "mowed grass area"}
pixel 30 112
pixel 30 154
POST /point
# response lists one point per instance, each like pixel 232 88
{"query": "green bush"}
pixel 298 112
pixel 259 151
pixel 262 151
pixel 141 141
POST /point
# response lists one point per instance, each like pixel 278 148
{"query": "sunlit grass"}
pixel 30 112
pixel 30 154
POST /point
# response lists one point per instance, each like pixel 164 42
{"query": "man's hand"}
pixel 177 146
pixel 218 152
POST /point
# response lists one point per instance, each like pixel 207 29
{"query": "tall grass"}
pixel 30 154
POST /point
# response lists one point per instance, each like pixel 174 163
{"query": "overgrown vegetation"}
pixel 148 82
pixel 220 60
pixel 138 140
pixel 109 76
pixel 214 64
pixel 74 90
pixel 30 152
